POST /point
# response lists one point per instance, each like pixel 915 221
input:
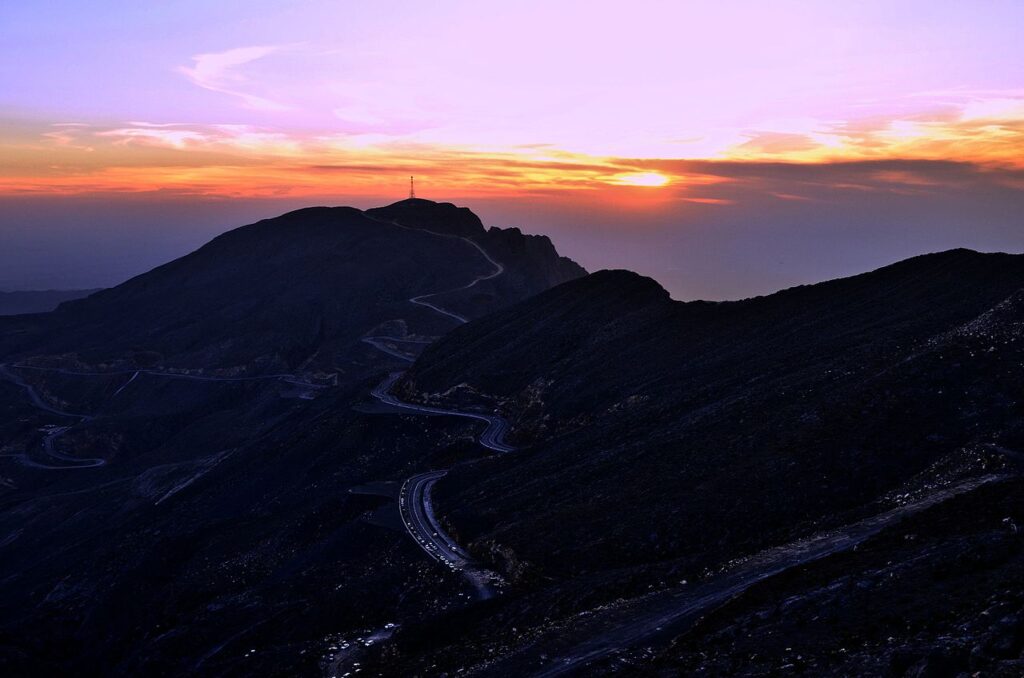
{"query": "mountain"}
pixel 428 215
pixel 644 396
pixel 396 442
pixel 664 440
pixel 183 456
pixel 532 263
pixel 37 301
pixel 294 290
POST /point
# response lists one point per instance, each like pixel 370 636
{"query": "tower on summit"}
pixel 412 189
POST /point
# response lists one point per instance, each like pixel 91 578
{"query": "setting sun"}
pixel 641 179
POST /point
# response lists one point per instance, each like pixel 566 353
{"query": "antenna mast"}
pixel 412 189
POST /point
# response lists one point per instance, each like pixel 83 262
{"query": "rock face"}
pixel 533 257
pixel 531 263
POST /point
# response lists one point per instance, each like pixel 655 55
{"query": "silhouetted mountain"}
pixel 644 396
pixel 37 301
pixel 439 217
pixel 293 290
pixel 533 264
pixel 175 460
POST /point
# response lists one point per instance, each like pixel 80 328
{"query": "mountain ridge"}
pixel 250 480
pixel 291 289
pixel 677 373
pixel 665 441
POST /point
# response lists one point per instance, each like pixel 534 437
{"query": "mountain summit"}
pixel 439 217
pixel 299 288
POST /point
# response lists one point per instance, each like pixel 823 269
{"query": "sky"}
pixel 725 148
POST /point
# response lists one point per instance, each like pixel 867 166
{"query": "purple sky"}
pixel 725 148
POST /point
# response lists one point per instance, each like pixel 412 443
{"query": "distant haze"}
pixel 725 148
pixel 756 244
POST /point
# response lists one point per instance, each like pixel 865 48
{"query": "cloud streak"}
pixel 253 161
pixel 221 72
pixel 876 153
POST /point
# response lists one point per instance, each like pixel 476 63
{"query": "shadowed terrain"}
pixel 666 439
pixel 184 456
pixel 220 467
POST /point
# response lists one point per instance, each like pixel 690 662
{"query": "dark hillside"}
pixel 279 294
pixel 668 430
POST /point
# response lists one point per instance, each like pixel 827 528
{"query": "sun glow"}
pixel 653 179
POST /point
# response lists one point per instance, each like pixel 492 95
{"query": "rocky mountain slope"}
pixel 290 291
pixel 764 415
pixel 533 265
pixel 179 479
pixel 665 440
pixel 203 471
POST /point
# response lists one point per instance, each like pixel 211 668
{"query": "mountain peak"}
pixel 622 284
pixel 439 217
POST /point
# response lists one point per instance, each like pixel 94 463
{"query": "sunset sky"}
pixel 725 148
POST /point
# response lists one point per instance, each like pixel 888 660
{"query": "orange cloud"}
pixel 983 131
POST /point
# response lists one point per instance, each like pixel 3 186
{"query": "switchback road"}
pixel 414 503
pixel 67 462
pixel 50 439
pixel 421 300
pixel 289 378
pixel 493 437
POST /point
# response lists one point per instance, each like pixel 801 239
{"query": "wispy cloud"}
pixel 67 134
pixel 220 72
pixel 158 135
pixel 790 159
pixel 977 126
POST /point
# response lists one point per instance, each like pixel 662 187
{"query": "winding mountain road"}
pixel 414 503
pixel 50 439
pixel 493 436
pixel 420 300
pixel 417 511
pixel 382 344
pixel 498 270
pixel 289 378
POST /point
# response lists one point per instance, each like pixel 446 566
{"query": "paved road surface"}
pixel 37 401
pixel 498 270
pixel 493 436
pixel 50 439
pixel 417 511
pixel 662 616
pixel 383 344
pixel 68 462
pixel 415 505
pixel 289 378
pixel 421 300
